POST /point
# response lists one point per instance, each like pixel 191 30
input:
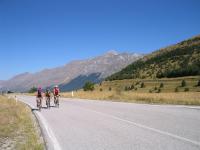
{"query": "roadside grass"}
pixel 159 91
pixel 168 84
pixel 18 130
pixel 182 98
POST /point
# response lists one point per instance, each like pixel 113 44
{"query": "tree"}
pixel 32 90
pixel 183 83
pixel 89 86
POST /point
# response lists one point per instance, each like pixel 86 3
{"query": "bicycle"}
pixel 39 103
pixel 48 99
pixel 56 100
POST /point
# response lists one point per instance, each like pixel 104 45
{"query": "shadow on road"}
pixel 34 109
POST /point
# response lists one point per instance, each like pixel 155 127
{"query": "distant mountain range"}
pixel 182 59
pixel 74 74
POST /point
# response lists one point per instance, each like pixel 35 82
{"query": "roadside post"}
pixel 72 93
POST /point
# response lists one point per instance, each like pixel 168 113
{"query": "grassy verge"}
pixel 183 98
pixel 17 127
pixel 164 85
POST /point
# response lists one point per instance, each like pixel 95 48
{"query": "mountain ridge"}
pixel 62 75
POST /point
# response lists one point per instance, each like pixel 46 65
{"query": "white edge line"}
pixel 146 127
pixel 49 132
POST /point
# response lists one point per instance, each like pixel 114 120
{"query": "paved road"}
pixel 101 125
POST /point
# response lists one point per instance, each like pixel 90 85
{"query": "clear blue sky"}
pixel 38 34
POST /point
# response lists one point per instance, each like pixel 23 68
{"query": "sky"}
pixel 39 34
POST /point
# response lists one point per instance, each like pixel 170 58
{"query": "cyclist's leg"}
pixel 58 100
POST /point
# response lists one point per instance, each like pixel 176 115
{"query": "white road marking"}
pixel 56 145
pixel 146 127
pixel 49 132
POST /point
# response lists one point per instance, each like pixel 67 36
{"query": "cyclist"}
pixel 39 98
pixel 56 92
pixel 48 97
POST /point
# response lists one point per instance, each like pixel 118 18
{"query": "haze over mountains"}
pixel 74 74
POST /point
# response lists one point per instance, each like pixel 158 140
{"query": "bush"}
pixel 33 90
pixel 155 88
pixel 110 89
pixel 142 85
pixel 176 89
pixel 150 91
pixel 132 87
pixel 186 89
pixel 137 82
pixel 158 91
pixel 126 88
pixel 161 85
pixel 89 86
pixel 198 84
pixel 183 83
pixel 101 89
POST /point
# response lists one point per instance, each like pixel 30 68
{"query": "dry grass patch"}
pixel 17 127
pixel 185 98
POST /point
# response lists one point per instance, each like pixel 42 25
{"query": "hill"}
pixel 182 59
pixel 94 69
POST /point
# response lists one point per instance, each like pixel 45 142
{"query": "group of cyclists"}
pixel 47 94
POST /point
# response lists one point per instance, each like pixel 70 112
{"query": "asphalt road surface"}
pixel 101 125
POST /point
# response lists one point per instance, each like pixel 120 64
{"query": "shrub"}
pixel 110 89
pixel 101 89
pixel 198 84
pixel 137 83
pixel 135 89
pixel 89 86
pixel 132 87
pixel 186 89
pixel 32 90
pixel 176 89
pixel 155 88
pixel 126 88
pixel 158 91
pixel 142 85
pixel 150 91
pixel 161 85
pixel 183 83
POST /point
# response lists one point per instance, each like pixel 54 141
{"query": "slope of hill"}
pixel 182 59
pixel 66 75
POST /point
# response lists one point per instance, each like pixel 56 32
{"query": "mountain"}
pixel 182 59
pixel 74 74
pixel 1 83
